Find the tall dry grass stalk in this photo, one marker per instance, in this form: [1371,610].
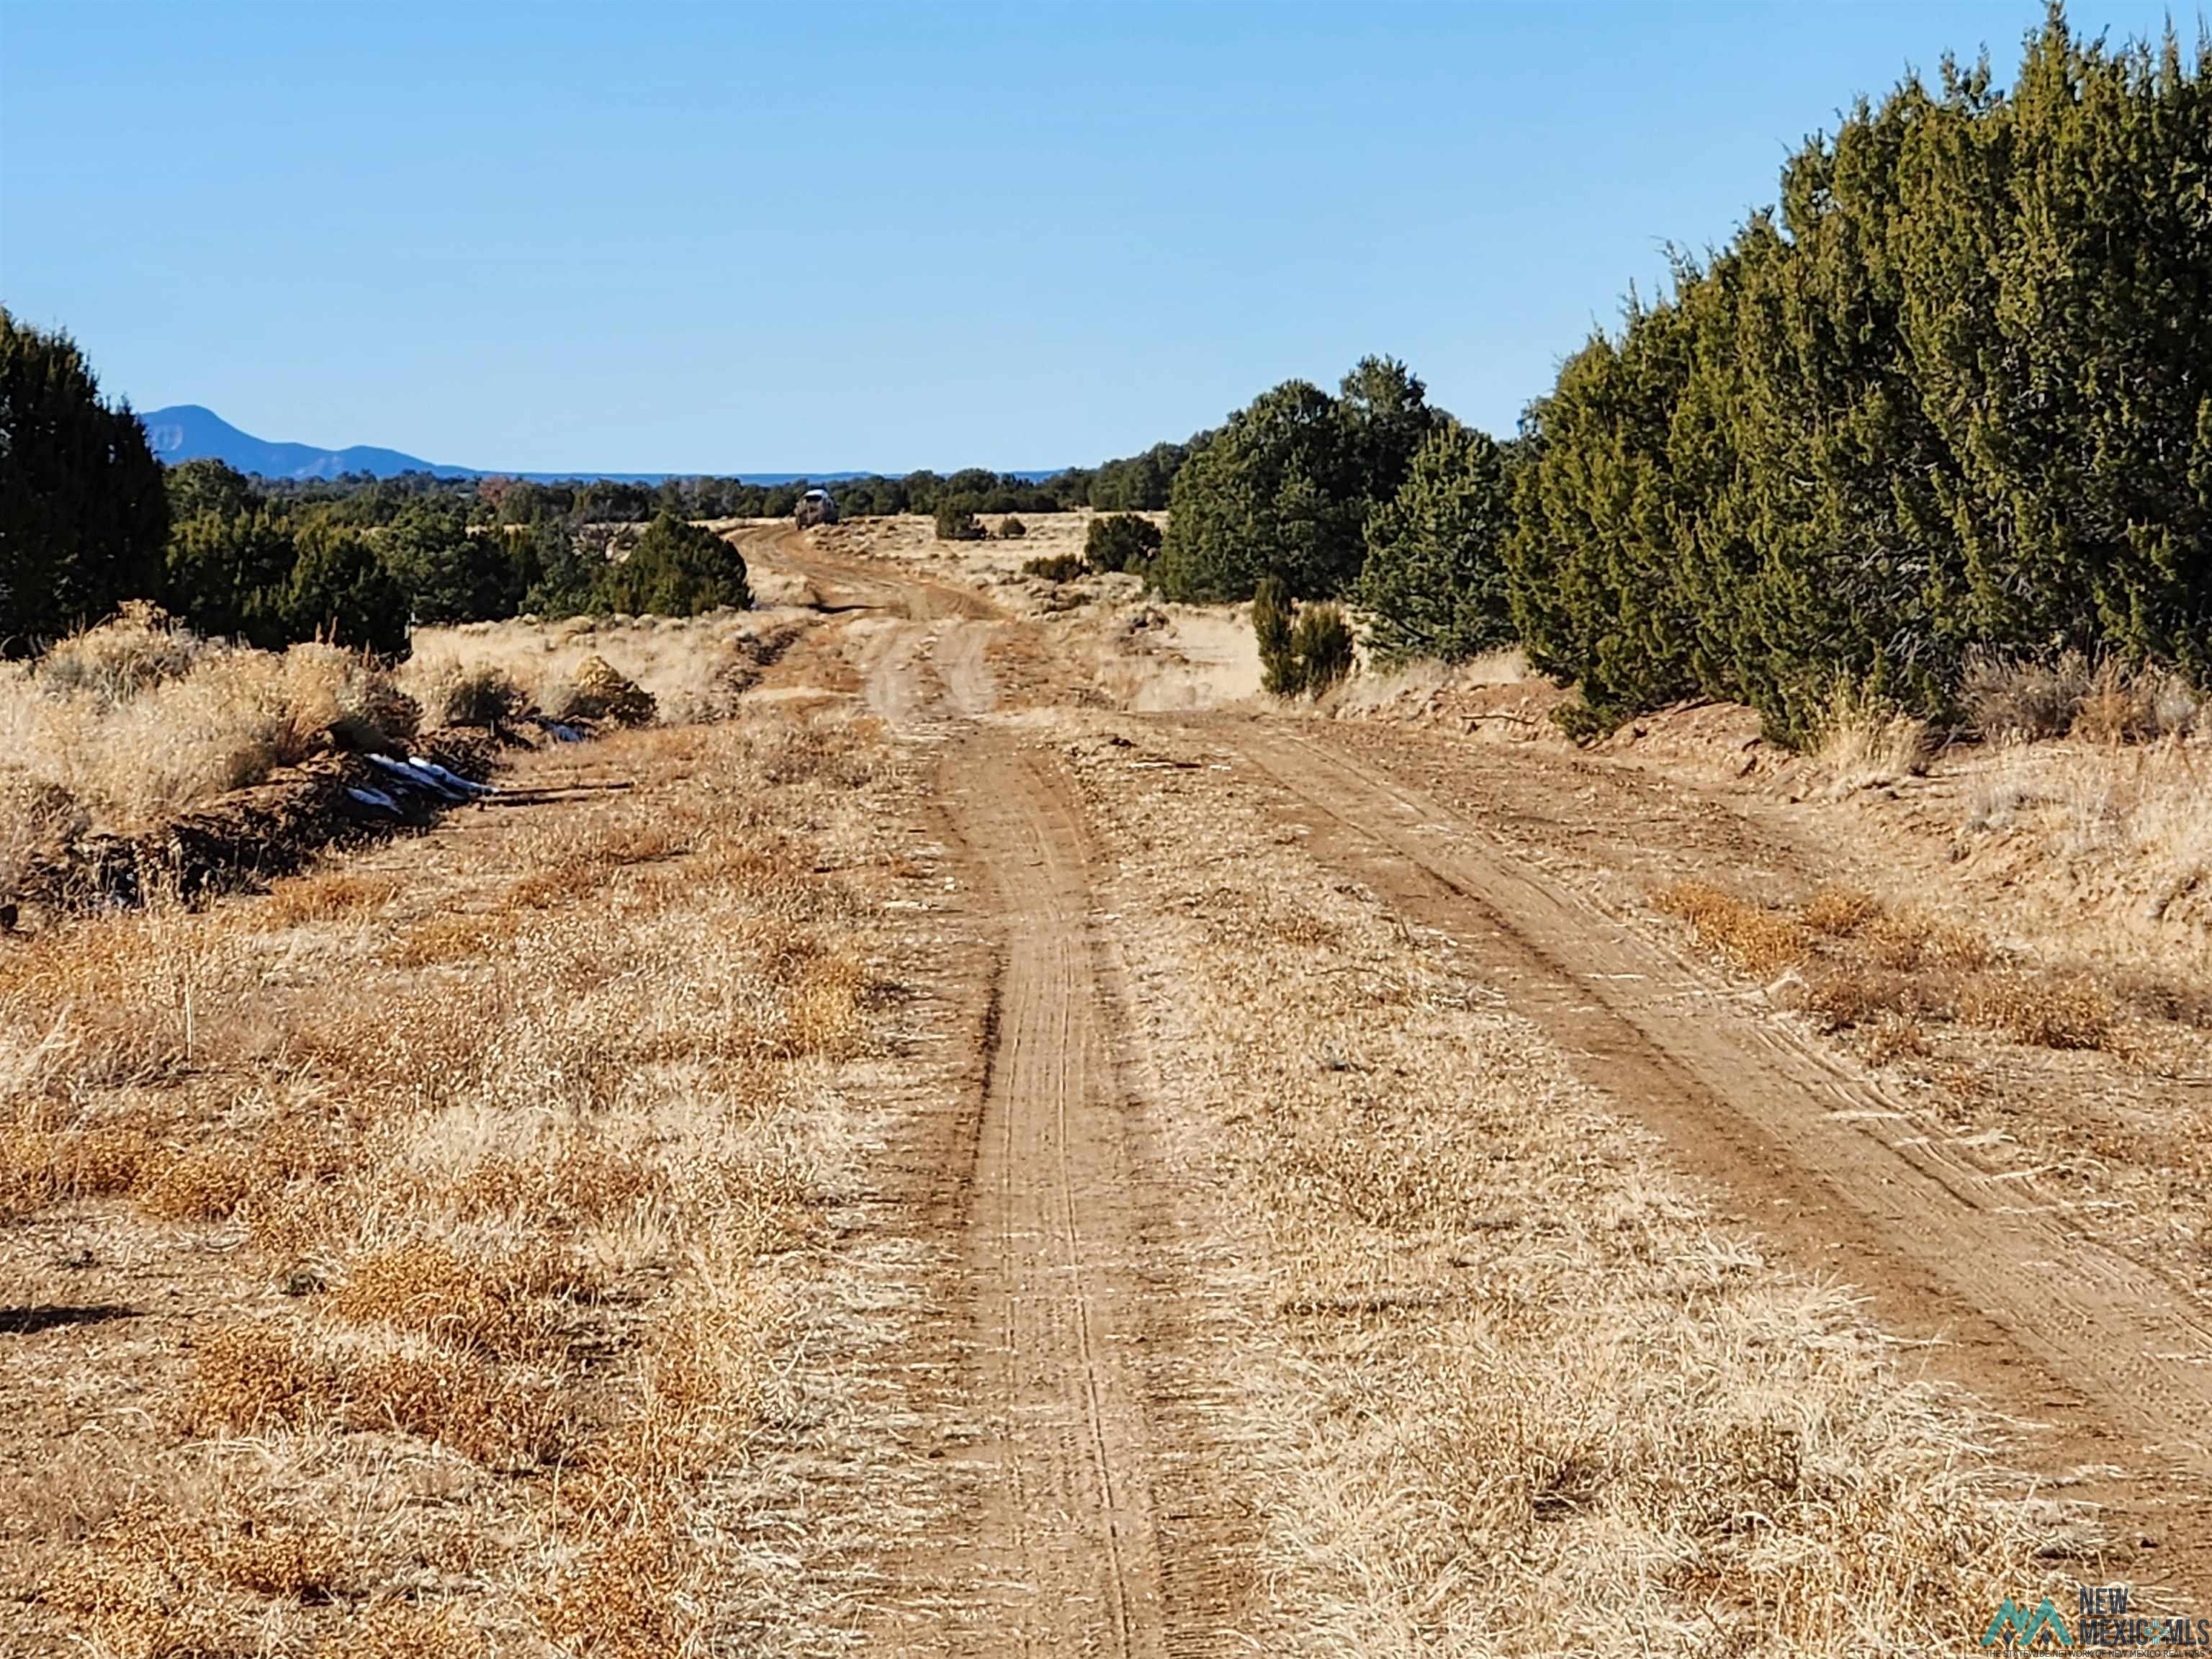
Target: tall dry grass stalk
[1864,741]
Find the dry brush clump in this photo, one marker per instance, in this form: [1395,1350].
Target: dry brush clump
[1518,1393]
[677,670]
[1857,964]
[1759,940]
[126,725]
[1863,740]
[499,1258]
[2026,698]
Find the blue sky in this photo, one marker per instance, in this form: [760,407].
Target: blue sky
[688,237]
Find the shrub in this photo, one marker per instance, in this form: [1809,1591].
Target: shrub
[1122,541]
[349,696]
[1280,672]
[1058,567]
[477,693]
[1306,651]
[599,690]
[2107,702]
[135,650]
[2014,698]
[1322,641]
[1862,738]
[676,569]
[1011,529]
[956,521]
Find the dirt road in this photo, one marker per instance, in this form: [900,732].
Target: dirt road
[2018,1302]
[1067,1298]
[1087,1524]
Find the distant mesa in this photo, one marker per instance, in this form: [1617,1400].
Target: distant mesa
[187,432]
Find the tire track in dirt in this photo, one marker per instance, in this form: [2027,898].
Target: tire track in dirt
[1090,1523]
[2038,1319]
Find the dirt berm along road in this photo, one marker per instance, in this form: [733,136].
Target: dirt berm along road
[1093,1527]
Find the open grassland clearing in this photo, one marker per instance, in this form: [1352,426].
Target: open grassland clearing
[441,1255]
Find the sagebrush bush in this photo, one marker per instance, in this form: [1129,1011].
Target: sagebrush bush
[1011,529]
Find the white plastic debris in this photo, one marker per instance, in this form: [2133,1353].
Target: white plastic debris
[446,779]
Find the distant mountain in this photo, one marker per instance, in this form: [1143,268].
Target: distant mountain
[186,432]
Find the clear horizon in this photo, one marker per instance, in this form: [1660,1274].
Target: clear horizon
[1011,236]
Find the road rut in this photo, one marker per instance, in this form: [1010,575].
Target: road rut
[1089,1523]
[2031,1312]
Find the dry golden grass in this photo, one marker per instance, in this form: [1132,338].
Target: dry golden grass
[1863,741]
[123,726]
[2109,845]
[1870,965]
[1519,1393]
[2042,1011]
[687,669]
[497,1208]
[1894,970]
[329,895]
[1759,940]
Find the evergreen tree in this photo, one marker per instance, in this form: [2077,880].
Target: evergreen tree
[228,575]
[1387,416]
[454,573]
[1951,394]
[1435,574]
[1278,491]
[83,514]
[341,592]
[677,570]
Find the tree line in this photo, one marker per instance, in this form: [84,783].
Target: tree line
[88,518]
[1952,395]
